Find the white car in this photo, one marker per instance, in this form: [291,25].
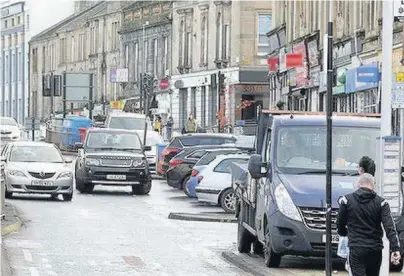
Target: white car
[153,138]
[214,182]
[10,130]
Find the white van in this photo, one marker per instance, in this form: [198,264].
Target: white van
[128,121]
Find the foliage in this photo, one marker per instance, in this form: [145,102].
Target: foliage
[244,104]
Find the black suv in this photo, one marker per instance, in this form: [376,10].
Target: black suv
[112,157]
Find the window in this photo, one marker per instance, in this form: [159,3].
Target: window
[62,50]
[204,41]
[38,153]
[181,44]
[226,46]
[145,49]
[35,60]
[218,36]
[193,101]
[7,70]
[43,58]
[225,165]
[372,14]
[175,144]
[136,49]
[92,40]
[203,106]
[12,22]
[188,55]
[27,23]
[20,66]
[197,154]
[15,40]
[19,20]
[82,47]
[264,26]
[73,50]
[126,58]
[13,65]
[114,36]
[155,54]
[165,56]
[5,24]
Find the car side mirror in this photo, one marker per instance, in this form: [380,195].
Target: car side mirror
[78,145]
[256,168]
[147,148]
[68,161]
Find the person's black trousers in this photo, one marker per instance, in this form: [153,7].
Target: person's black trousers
[365,261]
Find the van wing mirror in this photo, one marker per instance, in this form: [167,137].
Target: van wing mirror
[256,167]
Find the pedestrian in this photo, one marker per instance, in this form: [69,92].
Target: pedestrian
[191,125]
[169,127]
[157,124]
[360,218]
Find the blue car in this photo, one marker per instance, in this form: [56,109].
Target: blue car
[193,181]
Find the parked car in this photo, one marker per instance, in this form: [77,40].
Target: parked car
[10,130]
[181,165]
[112,157]
[179,143]
[36,168]
[153,138]
[214,182]
[201,165]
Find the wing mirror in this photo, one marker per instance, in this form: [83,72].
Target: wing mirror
[68,161]
[147,148]
[256,167]
[78,145]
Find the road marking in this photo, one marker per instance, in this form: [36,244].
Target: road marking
[134,261]
[27,255]
[33,271]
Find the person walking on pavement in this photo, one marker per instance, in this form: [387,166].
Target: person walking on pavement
[191,125]
[360,217]
[169,127]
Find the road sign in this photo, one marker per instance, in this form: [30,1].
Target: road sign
[164,84]
[397,95]
[32,124]
[77,86]
[398,10]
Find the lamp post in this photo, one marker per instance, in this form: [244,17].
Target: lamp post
[144,64]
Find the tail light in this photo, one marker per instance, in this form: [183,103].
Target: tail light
[200,178]
[174,162]
[194,173]
[167,151]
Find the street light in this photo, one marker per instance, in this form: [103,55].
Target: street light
[144,63]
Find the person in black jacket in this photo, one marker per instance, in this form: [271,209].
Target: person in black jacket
[367,165]
[360,217]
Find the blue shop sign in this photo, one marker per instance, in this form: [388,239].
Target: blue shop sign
[362,78]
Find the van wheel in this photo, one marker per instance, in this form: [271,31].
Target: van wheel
[244,238]
[397,268]
[272,259]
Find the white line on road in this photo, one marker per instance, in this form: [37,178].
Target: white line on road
[33,271]
[27,255]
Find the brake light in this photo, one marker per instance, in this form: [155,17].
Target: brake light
[200,178]
[194,173]
[174,162]
[167,151]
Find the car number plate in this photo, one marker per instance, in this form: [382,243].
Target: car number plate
[334,238]
[116,177]
[42,183]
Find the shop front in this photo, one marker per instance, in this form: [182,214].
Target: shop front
[362,83]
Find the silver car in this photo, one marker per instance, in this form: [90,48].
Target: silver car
[36,168]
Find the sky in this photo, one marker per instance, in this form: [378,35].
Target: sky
[45,13]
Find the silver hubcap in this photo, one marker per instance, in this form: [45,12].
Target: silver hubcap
[230,201]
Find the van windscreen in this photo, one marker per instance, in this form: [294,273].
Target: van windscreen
[128,123]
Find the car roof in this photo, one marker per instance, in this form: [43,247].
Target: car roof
[127,115]
[241,155]
[219,135]
[112,130]
[320,120]
[32,144]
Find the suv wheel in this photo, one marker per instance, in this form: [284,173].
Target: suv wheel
[142,189]
[228,201]
[272,259]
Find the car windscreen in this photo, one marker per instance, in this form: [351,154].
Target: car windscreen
[128,123]
[113,140]
[190,141]
[40,154]
[7,122]
[302,149]
[225,165]
[210,156]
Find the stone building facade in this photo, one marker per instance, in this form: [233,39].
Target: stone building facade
[300,26]
[146,37]
[213,36]
[86,41]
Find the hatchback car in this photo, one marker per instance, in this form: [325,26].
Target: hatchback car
[36,168]
[214,182]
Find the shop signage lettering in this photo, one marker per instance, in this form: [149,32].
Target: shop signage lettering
[251,88]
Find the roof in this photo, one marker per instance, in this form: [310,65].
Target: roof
[320,120]
[49,31]
[128,115]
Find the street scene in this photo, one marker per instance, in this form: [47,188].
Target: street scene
[202,138]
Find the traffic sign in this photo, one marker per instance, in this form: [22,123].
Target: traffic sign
[164,84]
[397,95]
[32,124]
[398,10]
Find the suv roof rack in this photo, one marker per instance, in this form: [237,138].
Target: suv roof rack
[293,112]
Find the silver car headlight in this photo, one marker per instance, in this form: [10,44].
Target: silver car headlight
[139,163]
[92,162]
[65,175]
[285,203]
[16,173]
